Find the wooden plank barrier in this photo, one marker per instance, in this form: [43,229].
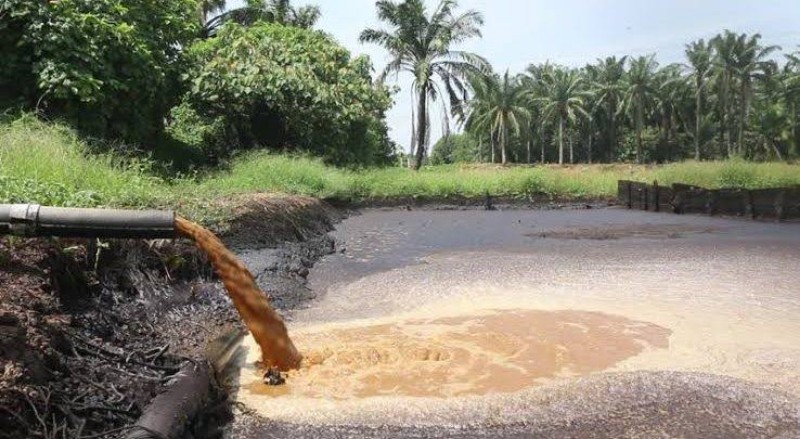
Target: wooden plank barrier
[775,203]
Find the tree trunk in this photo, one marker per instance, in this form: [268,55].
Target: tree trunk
[480,151]
[795,131]
[698,119]
[590,147]
[529,149]
[544,142]
[612,131]
[422,126]
[503,136]
[493,146]
[561,140]
[571,150]
[724,119]
[639,143]
[743,113]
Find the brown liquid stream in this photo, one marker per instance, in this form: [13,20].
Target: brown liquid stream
[267,327]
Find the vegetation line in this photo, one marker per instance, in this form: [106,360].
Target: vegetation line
[48,164]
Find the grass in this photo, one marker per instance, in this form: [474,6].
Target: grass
[48,164]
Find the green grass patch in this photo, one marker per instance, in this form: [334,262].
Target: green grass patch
[48,164]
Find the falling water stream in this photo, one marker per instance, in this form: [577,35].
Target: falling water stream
[265,325]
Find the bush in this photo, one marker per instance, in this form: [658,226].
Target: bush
[284,88]
[111,68]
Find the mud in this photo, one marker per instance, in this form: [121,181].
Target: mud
[478,353]
[90,334]
[724,292]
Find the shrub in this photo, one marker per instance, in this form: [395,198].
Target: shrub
[285,88]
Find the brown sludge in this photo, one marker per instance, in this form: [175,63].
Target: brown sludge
[266,326]
[483,353]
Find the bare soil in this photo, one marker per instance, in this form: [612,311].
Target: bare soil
[90,333]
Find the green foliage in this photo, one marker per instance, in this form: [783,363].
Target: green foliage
[455,148]
[285,88]
[48,164]
[629,145]
[108,66]
[421,43]
[498,106]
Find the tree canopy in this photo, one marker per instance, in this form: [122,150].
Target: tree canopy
[733,97]
[289,89]
[110,67]
[421,43]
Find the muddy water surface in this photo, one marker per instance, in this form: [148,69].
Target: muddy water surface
[597,323]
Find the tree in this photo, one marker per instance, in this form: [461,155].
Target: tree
[287,88]
[112,69]
[563,101]
[639,95]
[790,81]
[420,43]
[207,7]
[272,11]
[608,87]
[497,107]
[699,55]
[751,65]
[456,148]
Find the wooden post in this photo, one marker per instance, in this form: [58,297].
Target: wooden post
[780,206]
[711,202]
[750,205]
[656,193]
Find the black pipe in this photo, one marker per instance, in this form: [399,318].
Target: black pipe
[5,219]
[35,220]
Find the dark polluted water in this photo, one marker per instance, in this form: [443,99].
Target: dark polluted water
[575,323]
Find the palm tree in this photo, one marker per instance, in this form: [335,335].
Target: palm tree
[286,14]
[699,54]
[751,64]
[207,7]
[639,95]
[791,95]
[563,100]
[497,106]
[672,96]
[272,11]
[608,86]
[420,43]
[533,82]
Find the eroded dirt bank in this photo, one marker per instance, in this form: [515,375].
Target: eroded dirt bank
[89,333]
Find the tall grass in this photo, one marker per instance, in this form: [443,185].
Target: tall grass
[48,164]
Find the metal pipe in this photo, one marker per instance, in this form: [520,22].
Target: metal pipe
[35,220]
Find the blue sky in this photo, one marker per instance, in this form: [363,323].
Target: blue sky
[572,32]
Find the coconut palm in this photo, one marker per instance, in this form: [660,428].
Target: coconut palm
[699,55]
[421,43]
[751,64]
[285,13]
[640,95]
[673,97]
[790,81]
[272,11]
[563,100]
[208,7]
[608,86]
[533,82]
[497,106]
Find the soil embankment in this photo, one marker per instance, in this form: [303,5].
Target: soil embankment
[90,333]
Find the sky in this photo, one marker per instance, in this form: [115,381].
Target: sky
[517,33]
